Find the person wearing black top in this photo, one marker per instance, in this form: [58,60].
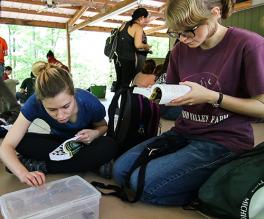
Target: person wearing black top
[27,88]
[129,41]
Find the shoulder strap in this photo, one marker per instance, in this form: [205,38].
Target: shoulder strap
[120,132]
[125,114]
[158,148]
[149,153]
[112,110]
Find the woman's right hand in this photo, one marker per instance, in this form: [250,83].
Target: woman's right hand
[148,47]
[35,178]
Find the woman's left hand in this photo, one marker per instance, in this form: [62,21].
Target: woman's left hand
[198,94]
[87,135]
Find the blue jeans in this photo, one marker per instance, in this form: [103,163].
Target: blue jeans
[174,179]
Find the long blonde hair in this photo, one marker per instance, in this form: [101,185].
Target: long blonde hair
[51,80]
[182,14]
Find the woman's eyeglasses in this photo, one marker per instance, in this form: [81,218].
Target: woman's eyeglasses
[187,33]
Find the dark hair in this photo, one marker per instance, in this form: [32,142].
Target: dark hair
[149,66]
[8,68]
[158,70]
[139,12]
[50,54]
[32,75]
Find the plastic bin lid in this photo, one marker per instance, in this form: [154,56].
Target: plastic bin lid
[54,195]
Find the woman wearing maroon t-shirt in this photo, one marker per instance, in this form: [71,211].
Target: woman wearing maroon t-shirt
[224,68]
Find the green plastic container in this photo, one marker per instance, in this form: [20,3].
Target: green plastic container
[98,90]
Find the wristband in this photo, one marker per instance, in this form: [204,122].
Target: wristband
[219,101]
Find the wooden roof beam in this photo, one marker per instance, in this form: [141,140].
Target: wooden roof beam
[242,5]
[77,15]
[155,29]
[15,21]
[48,24]
[33,12]
[108,13]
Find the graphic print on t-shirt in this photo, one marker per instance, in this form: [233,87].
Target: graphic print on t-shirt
[205,113]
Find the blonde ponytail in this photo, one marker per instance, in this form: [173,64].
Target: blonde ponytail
[51,80]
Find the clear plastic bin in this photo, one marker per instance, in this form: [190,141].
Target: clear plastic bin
[71,198]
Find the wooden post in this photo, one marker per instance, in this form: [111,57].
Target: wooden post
[68,35]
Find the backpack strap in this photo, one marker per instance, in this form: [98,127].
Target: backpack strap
[125,114]
[158,148]
[119,133]
[112,111]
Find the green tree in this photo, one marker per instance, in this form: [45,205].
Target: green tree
[89,64]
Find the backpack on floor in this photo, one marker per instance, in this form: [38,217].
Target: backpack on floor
[236,190]
[132,119]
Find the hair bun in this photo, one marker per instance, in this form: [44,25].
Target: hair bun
[139,13]
[39,67]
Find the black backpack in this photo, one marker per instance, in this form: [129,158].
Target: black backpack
[236,190]
[111,44]
[134,121]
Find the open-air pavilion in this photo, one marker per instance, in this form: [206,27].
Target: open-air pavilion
[102,16]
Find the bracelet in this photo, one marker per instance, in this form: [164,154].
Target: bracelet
[219,101]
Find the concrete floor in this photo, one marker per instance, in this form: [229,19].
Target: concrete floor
[110,207]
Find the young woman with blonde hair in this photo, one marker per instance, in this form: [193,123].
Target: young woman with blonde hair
[69,112]
[224,68]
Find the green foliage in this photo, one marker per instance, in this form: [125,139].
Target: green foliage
[160,47]
[89,64]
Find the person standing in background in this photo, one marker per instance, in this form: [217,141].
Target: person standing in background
[52,60]
[142,54]
[129,41]
[14,108]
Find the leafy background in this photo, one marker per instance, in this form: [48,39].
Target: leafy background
[89,64]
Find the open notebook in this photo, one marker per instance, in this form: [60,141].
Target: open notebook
[66,150]
[163,93]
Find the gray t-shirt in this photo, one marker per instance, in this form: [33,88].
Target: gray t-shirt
[234,67]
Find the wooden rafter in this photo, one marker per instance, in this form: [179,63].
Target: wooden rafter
[77,15]
[104,16]
[48,24]
[26,11]
[155,29]
[243,5]
[103,8]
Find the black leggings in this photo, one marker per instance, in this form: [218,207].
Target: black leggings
[38,146]
[125,72]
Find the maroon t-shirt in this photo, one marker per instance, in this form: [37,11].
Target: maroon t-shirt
[234,67]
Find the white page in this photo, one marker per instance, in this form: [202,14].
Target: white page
[61,153]
[170,92]
[143,91]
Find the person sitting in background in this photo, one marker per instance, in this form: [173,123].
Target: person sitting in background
[11,114]
[69,112]
[26,89]
[158,71]
[146,78]
[7,72]
[166,112]
[52,60]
